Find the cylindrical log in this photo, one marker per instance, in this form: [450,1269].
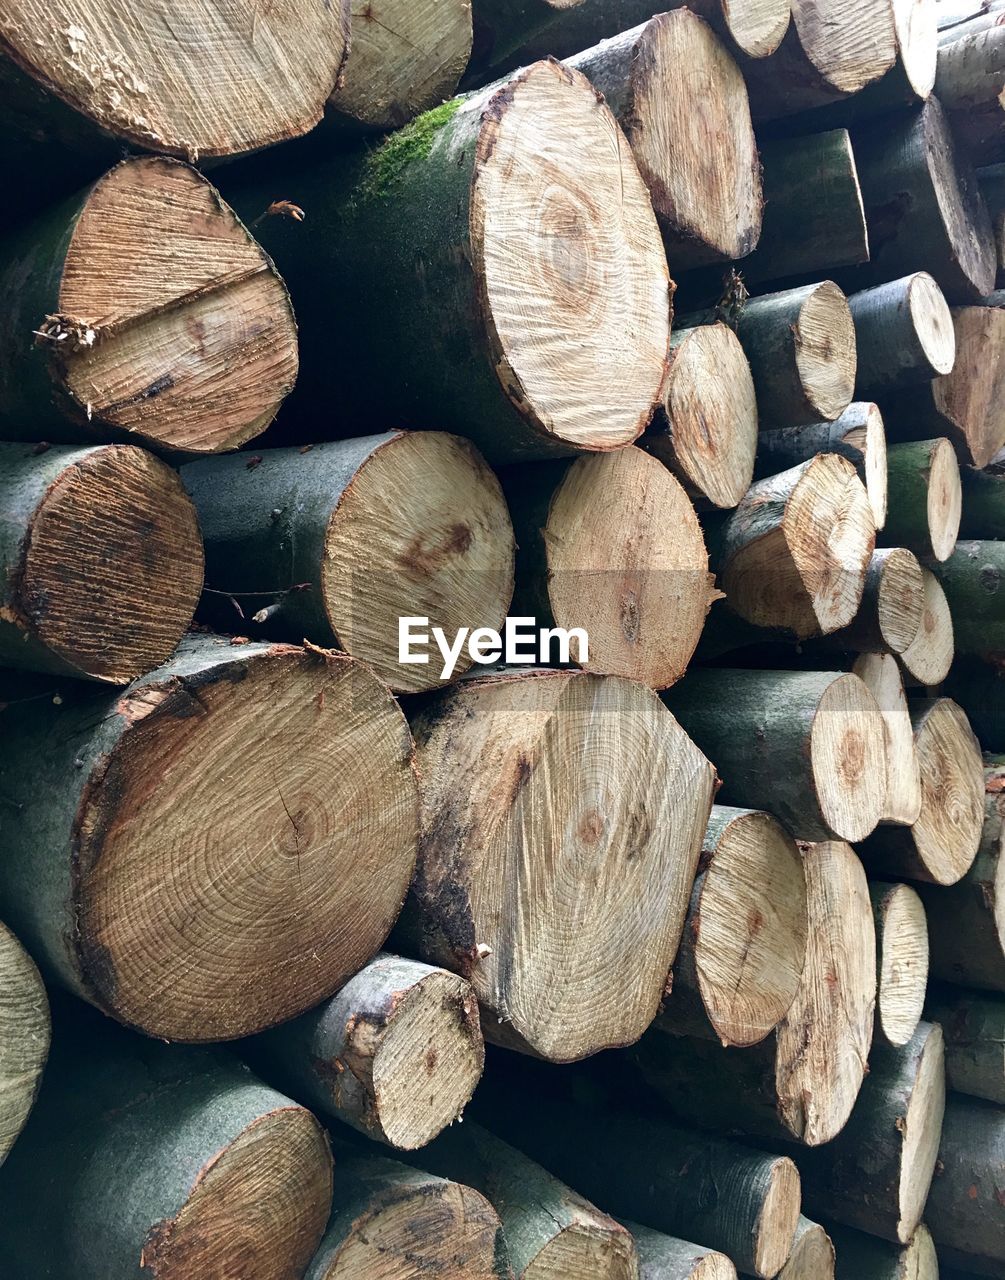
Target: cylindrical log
[338,542]
[929,656]
[396,1054]
[925,498]
[705,428]
[812,1256]
[597,772]
[503,28]
[864,1257]
[974,1027]
[983,513]
[858,435]
[881,676]
[744,943]
[901,961]
[979,688]
[529,314]
[973,579]
[941,846]
[893,604]
[24,1037]
[611,544]
[954,14]
[663,1257]
[992,180]
[964,1212]
[923,205]
[701,168]
[122,520]
[217,848]
[142,309]
[904,334]
[807,746]
[802,1084]
[970,82]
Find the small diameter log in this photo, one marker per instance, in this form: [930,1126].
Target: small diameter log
[542,304]
[925,498]
[701,169]
[808,746]
[964,1212]
[892,610]
[942,844]
[983,514]
[858,435]
[143,309]
[666,1258]
[705,428]
[217,848]
[398,1223]
[973,579]
[881,676]
[744,942]
[970,82]
[974,1027]
[979,688]
[901,961]
[923,205]
[802,1083]
[406,57]
[591,769]
[865,1257]
[904,334]
[337,542]
[24,1037]
[611,544]
[812,1256]
[929,656]
[100,561]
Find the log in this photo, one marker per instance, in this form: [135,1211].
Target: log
[391,1221]
[122,520]
[972,579]
[744,942]
[405,58]
[974,1027]
[865,1257]
[396,1054]
[807,746]
[858,435]
[881,676]
[812,1256]
[892,610]
[992,182]
[925,497]
[248,812]
[503,758]
[923,205]
[983,513]
[802,1083]
[705,428]
[901,961]
[663,1257]
[979,688]
[701,170]
[953,14]
[904,334]
[24,1037]
[929,656]
[970,83]
[338,542]
[531,316]
[209,84]
[611,544]
[964,1210]
[503,27]
[942,844]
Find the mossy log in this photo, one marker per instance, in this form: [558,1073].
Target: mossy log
[973,579]
[964,1212]
[969,82]
[249,812]
[904,334]
[979,688]
[24,1037]
[663,1257]
[901,961]
[598,778]
[812,1256]
[892,610]
[864,1257]
[974,1027]
[610,543]
[100,561]
[337,542]
[531,315]
[141,309]
[881,676]
[929,657]
[925,498]
[744,943]
[983,514]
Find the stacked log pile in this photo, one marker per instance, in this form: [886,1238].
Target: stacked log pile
[675,342]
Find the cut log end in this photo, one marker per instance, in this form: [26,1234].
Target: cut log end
[24,1037]
[550,270]
[945,500]
[902,931]
[922,1129]
[900,598]
[930,314]
[948,832]
[757,26]
[929,656]
[959,202]
[848,44]
[881,675]
[779,1218]
[812,1256]
[847,755]
[916,25]
[583,1252]
[825,351]
[869,438]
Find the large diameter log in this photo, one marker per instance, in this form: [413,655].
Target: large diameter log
[974,1027]
[881,676]
[217,848]
[611,544]
[865,1257]
[973,579]
[904,334]
[970,83]
[598,779]
[744,943]
[923,204]
[531,315]
[983,514]
[812,1256]
[941,846]
[803,1083]
[100,561]
[24,1037]
[925,498]
[208,83]
[705,427]
[964,1212]
[929,656]
[901,961]
[807,746]
[339,542]
[663,1257]
[979,688]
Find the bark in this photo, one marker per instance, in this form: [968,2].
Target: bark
[248,812]
[503,27]
[904,334]
[446,256]
[979,688]
[881,676]
[983,514]
[340,541]
[964,1211]
[540,760]
[611,544]
[969,82]
[974,1026]
[892,610]
[24,1042]
[744,942]
[901,961]
[663,1257]
[141,309]
[924,498]
[100,561]
[865,1257]
[929,656]
[972,579]
[992,181]
[807,746]
[812,1256]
